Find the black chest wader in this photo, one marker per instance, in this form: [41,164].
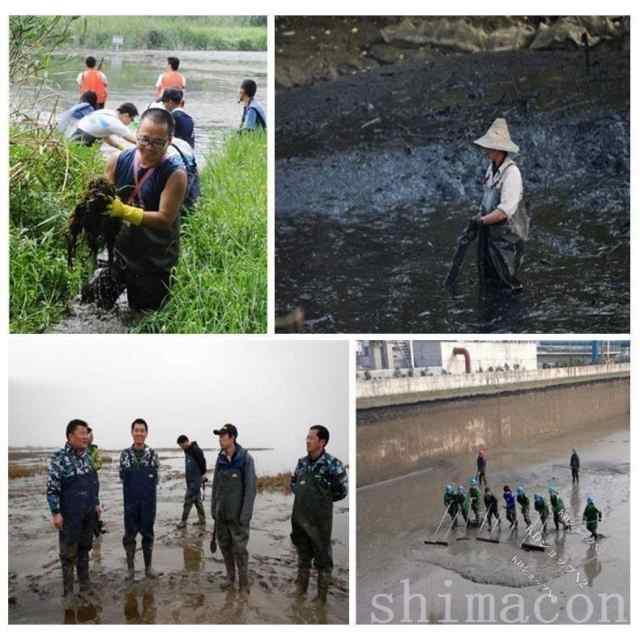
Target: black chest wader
[78,503]
[193,495]
[500,248]
[232,536]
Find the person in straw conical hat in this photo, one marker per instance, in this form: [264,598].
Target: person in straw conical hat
[503,223]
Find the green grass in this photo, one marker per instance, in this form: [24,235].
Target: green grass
[47,177]
[214,33]
[220,282]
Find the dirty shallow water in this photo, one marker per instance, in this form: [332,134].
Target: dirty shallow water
[188,591]
[211,97]
[395,517]
[368,215]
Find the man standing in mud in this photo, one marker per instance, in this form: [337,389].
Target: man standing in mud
[232,500]
[195,469]
[541,507]
[474,496]
[574,463]
[591,516]
[481,465]
[491,506]
[318,481]
[139,466]
[152,186]
[73,497]
[557,507]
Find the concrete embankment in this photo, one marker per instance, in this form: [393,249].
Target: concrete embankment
[406,424]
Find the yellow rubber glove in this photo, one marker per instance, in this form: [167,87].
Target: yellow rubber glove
[118,209]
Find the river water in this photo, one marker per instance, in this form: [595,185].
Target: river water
[213,80]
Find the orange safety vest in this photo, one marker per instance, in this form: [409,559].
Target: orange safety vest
[91,81]
[171,80]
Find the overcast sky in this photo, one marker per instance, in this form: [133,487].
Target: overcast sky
[272,390]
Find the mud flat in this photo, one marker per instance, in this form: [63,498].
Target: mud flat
[188,591]
[569,582]
[376,176]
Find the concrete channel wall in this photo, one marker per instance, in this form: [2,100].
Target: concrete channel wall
[380,392]
[396,439]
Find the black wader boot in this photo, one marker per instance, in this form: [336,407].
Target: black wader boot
[68,560]
[324,580]
[202,520]
[242,562]
[230,565]
[186,509]
[130,550]
[302,581]
[147,553]
[83,569]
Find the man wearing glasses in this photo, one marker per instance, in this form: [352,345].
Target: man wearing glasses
[151,185]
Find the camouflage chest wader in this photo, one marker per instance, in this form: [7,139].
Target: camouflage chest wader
[232,536]
[79,499]
[474,494]
[139,489]
[311,526]
[501,245]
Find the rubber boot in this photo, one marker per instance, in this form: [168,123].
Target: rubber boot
[147,553]
[82,568]
[131,556]
[324,580]
[186,509]
[202,520]
[230,565]
[242,562]
[68,563]
[302,581]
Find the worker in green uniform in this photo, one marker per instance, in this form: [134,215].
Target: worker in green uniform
[463,503]
[557,507]
[542,509]
[318,481]
[524,502]
[591,516]
[474,496]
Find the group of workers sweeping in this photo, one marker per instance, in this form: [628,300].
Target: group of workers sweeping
[467,505]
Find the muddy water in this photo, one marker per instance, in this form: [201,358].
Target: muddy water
[377,176]
[396,516]
[188,591]
[213,79]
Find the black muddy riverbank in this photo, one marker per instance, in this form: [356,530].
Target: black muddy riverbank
[376,177]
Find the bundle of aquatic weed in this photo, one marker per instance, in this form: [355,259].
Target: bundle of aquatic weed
[220,282]
[46,177]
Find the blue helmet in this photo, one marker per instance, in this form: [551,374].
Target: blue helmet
[589,500]
[520,491]
[460,489]
[448,488]
[552,490]
[473,482]
[538,497]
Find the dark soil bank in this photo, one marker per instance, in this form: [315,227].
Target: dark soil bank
[376,176]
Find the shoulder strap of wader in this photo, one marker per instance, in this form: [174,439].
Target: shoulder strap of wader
[138,183]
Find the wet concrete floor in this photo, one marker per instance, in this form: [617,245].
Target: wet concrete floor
[570,576]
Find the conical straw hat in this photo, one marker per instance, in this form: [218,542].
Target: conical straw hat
[497,137]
